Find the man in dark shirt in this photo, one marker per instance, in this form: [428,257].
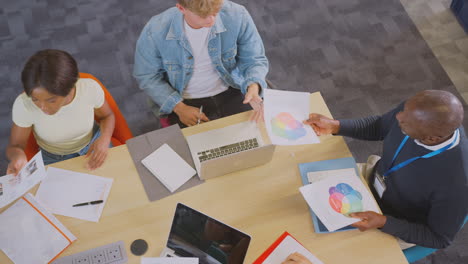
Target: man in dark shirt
[420,182]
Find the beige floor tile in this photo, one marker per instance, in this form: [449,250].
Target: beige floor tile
[444,35]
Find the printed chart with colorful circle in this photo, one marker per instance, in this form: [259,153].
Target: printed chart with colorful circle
[286,126]
[344,199]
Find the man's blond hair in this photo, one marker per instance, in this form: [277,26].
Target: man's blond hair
[202,8]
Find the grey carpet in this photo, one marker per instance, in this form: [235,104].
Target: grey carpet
[364,56]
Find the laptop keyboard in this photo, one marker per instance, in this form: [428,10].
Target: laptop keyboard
[228,149]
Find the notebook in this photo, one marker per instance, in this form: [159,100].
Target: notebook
[284,246]
[30,234]
[168,167]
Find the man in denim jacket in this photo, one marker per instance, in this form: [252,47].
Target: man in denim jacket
[196,61]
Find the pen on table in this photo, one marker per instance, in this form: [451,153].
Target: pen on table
[199,115]
[89,203]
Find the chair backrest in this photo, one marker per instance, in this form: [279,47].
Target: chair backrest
[121,131]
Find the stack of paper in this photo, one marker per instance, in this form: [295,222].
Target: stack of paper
[168,167]
[61,189]
[333,198]
[30,234]
[12,187]
[284,246]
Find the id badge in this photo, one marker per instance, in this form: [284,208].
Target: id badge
[379,184]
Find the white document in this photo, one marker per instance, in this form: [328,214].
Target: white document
[315,176]
[287,247]
[12,187]
[61,189]
[333,198]
[30,234]
[169,260]
[284,113]
[168,167]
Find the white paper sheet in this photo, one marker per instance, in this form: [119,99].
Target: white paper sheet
[332,198]
[30,234]
[284,113]
[61,189]
[315,176]
[287,247]
[12,187]
[169,260]
[168,167]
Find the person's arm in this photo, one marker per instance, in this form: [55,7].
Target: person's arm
[444,220]
[97,152]
[367,128]
[252,62]
[15,150]
[149,73]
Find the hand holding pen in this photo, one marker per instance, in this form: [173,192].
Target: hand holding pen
[200,114]
[190,115]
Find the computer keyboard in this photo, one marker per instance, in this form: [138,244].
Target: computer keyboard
[228,149]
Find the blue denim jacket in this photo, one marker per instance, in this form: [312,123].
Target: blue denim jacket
[164,62]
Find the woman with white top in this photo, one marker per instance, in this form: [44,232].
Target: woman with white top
[60,109]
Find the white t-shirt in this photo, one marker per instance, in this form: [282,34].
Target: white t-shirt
[71,128]
[205,80]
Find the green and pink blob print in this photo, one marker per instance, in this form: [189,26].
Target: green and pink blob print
[284,125]
[344,199]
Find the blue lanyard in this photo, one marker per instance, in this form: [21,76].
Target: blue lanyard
[428,155]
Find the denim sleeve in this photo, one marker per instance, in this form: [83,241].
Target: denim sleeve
[149,73]
[252,62]
[369,128]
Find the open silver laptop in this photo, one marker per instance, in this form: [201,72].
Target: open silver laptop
[194,234]
[232,148]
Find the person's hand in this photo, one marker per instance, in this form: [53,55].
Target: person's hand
[17,163]
[97,153]
[369,220]
[253,98]
[323,125]
[296,258]
[189,115]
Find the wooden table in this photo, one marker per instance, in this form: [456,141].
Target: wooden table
[263,202]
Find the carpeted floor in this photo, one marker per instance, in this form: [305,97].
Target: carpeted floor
[364,56]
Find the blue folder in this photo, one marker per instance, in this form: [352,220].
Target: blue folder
[334,164]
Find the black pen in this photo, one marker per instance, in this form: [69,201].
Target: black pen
[89,203]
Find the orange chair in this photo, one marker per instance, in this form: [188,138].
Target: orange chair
[121,131]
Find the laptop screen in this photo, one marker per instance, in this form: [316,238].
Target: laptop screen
[194,234]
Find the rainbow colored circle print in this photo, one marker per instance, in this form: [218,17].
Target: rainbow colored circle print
[284,125]
[344,199]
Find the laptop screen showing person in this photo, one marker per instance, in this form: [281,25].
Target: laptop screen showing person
[194,234]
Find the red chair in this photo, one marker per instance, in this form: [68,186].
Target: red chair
[121,130]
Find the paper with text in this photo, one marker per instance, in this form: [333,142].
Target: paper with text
[61,189]
[12,187]
[284,113]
